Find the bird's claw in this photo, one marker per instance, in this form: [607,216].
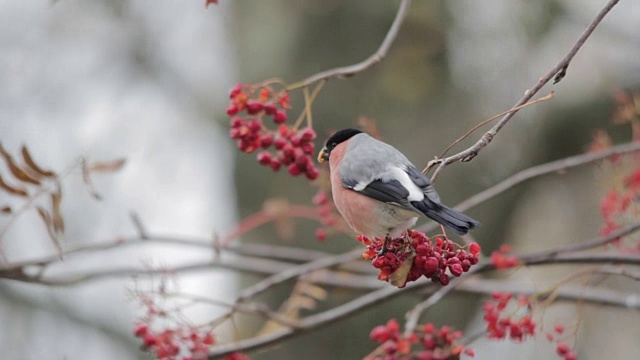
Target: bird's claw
[384,248]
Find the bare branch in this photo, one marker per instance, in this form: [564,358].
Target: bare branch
[558,70]
[376,57]
[557,166]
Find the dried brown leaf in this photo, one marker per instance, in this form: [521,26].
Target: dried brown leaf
[399,277]
[26,156]
[18,172]
[86,178]
[12,189]
[48,222]
[6,210]
[304,302]
[313,291]
[107,166]
[57,219]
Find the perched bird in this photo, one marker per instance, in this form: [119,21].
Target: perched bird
[379,192]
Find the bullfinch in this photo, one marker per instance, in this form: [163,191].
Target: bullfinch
[379,192]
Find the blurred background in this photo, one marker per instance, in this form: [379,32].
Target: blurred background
[149,81]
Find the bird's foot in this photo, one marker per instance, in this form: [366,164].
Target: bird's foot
[384,248]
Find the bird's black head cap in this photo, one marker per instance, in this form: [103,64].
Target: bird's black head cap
[335,139]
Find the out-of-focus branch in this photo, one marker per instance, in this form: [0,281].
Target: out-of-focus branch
[556,72]
[587,295]
[556,166]
[545,169]
[376,57]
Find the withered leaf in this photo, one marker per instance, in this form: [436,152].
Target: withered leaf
[57,219]
[304,302]
[6,210]
[107,166]
[26,156]
[15,169]
[48,222]
[86,178]
[312,291]
[12,189]
[399,277]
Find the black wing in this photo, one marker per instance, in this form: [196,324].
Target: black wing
[424,183]
[390,192]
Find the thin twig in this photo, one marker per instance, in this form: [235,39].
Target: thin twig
[537,171]
[481,124]
[376,57]
[471,152]
[476,286]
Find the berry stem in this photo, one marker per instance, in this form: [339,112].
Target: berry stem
[308,100]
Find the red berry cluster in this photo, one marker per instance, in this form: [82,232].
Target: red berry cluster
[426,343]
[431,259]
[169,344]
[502,324]
[182,342]
[562,349]
[293,149]
[620,204]
[327,212]
[502,260]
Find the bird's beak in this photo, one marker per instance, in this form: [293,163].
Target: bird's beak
[323,155]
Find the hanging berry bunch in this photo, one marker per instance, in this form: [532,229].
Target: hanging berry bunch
[419,256]
[252,108]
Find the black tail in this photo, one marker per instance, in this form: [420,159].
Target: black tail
[454,220]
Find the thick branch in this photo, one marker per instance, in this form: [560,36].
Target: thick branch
[559,70]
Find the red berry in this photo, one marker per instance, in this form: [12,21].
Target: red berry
[466,265]
[429,328]
[208,339]
[266,140]
[321,234]
[254,125]
[232,110]
[295,140]
[444,279]
[269,109]
[235,133]
[236,122]
[559,329]
[280,143]
[254,107]
[274,165]
[280,117]
[456,269]
[320,198]
[148,340]
[470,352]
[312,173]
[308,148]
[235,90]
[571,356]
[294,170]
[284,131]
[379,334]
[431,265]
[474,248]
[140,330]
[562,349]
[307,135]
[379,262]
[264,158]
